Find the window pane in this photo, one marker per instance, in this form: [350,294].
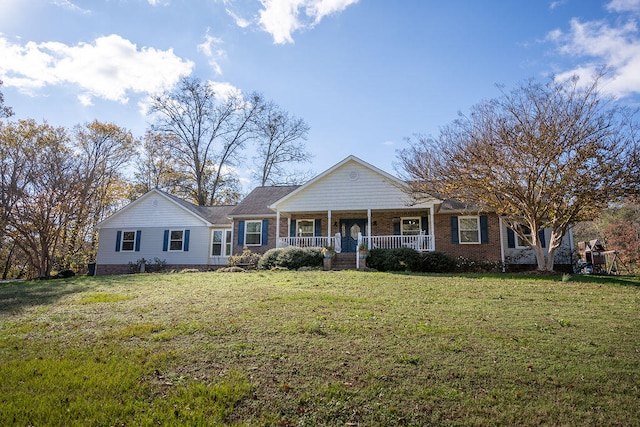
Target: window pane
[469,236]
[127,246]
[176,245]
[129,235]
[176,235]
[410,226]
[468,224]
[254,226]
[217,236]
[227,251]
[253,239]
[305,228]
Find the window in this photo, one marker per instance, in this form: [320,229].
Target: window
[128,242]
[469,229]
[176,240]
[520,242]
[410,226]
[253,233]
[304,228]
[221,243]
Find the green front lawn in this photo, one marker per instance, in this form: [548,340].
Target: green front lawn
[320,348]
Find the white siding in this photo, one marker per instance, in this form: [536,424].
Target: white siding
[350,187]
[153,210]
[151,243]
[527,256]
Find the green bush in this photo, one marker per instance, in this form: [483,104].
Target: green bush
[269,259]
[291,258]
[402,259]
[407,259]
[436,262]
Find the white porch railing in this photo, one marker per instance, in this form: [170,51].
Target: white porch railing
[421,242]
[304,242]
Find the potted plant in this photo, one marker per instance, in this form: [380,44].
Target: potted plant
[363,251]
[328,252]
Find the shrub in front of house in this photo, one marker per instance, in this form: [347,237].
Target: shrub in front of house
[468,265]
[269,259]
[407,259]
[291,258]
[401,259]
[436,262]
[248,260]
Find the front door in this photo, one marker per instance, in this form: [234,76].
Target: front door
[349,228]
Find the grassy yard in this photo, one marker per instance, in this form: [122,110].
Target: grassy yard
[320,348]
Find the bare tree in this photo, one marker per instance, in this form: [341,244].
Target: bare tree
[42,199]
[156,169]
[280,143]
[4,110]
[542,155]
[103,151]
[208,131]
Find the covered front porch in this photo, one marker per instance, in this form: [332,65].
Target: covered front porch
[346,231]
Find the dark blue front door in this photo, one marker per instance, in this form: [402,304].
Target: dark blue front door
[350,229]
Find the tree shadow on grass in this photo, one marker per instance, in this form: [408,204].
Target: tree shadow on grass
[16,296]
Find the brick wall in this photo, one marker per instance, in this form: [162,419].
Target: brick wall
[488,251]
[111,269]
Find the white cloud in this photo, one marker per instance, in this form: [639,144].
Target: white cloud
[624,6]
[66,4]
[598,44]
[224,90]
[111,68]
[209,47]
[281,18]
[240,22]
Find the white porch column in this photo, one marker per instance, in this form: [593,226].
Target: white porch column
[277,228]
[369,228]
[329,227]
[432,227]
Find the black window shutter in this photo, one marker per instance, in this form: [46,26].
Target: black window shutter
[265,232]
[165,241]
[454,230]
[241,233]
[541,237]
[425,224]
[511,238]
[118,240]
[292,228]
[138,237]
[396,228]
[317,228]
[185,245]
[484,229]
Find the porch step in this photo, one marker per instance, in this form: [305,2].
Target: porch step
[344,261]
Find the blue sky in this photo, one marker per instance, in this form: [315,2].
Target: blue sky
[364,74]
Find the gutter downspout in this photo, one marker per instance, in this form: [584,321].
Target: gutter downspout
[504,267]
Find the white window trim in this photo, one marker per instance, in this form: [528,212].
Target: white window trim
[411,217]
[517,237]
[181,240]
[224,242]
[135,236]
[246,228]
[313,226]
[460,230]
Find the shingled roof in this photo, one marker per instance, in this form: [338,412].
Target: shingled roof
[216,215]
[258,201]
